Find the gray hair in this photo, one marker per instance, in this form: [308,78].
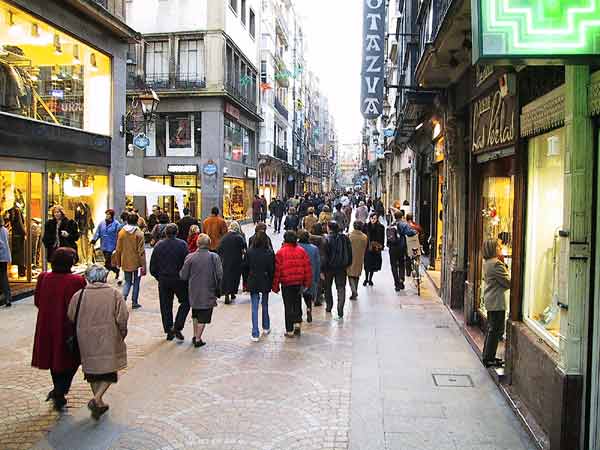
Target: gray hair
[203,241]
[235,226]
[96,274]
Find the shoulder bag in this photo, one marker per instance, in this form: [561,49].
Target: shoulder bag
[71,341]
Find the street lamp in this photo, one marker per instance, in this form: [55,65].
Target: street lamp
[149,101]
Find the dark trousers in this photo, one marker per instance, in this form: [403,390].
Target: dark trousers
[4,286]
[108,263]
[167,289]
[278,220]
[292,304]
[495,330]
[340,286]
[353,282]
[62,381]
[397,262]
[308,300]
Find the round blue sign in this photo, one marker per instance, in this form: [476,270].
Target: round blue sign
[389,132]
[210,169]
[141,141]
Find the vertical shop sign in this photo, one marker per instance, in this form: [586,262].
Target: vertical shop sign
[373,60]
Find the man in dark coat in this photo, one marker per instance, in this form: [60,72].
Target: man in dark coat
[339,257]
[185,223]
[232,250]
[166,262]
[278,210]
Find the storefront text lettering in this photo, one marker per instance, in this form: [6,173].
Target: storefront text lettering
[493,122]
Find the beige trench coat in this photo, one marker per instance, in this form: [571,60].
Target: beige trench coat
[359,242]
[101,328]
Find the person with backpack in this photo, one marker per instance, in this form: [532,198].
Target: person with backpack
[396,241]
[292,221]
[158,232]
[339,257]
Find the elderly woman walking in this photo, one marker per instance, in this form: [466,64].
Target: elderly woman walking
[100,316]
[497,282]
[204,273]
[232,250]
[53,293]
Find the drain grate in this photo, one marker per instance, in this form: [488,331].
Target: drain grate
[452,380]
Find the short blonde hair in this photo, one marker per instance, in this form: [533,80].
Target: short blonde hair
[194,229]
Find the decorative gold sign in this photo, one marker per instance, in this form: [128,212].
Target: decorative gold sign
[494,121]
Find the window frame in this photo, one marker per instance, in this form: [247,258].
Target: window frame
[243,14]
[252,23]
[200,69]
[233,4]
[147,51]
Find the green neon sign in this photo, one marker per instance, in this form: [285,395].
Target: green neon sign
[509,30]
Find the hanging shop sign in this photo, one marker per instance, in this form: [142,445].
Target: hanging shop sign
[561,31]
[389,132]
[210,168]
[182,168]
[494,120]
[373,59]
[250,173]
[141,141]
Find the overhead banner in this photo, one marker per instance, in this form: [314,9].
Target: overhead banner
[373,58]
[535,32]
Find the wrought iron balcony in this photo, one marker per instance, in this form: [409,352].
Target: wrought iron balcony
[281,109]
[247,98]
[189,81]
[281,153]
[158,81]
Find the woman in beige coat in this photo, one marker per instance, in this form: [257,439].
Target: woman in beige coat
[359,242]
[101,330]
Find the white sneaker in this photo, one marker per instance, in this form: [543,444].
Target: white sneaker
[267,332]
[254,339]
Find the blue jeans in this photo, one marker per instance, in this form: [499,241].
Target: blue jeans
[266,322]
[132,278]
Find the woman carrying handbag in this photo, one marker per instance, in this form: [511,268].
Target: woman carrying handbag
[376,235]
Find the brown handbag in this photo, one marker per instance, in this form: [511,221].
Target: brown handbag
[375,246]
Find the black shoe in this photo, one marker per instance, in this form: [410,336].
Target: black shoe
[8,304]
[370,282]
[136,306]
[120,283]
[496,362]
[170,336]
[197,343]
[308,315]
[178,335]
[365,282]
[397,288]
[50,395]
[353,297]
[328,310]
[401,286]
[227,300]
[59,402]
[297,331]
[232,296]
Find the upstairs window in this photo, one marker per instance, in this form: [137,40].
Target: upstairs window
[191,56]
[252,23]
[233,4]
[157,61]
[243,12]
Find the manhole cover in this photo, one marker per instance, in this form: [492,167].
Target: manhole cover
[451,380]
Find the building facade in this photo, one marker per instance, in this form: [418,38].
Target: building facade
[203,62]
[508,153]
[62,97]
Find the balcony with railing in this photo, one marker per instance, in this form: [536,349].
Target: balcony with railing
[245,95]
[281,109]
[164,81]
[189,81]
[281,153]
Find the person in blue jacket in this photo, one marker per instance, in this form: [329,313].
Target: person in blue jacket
[310,295]
[108,231]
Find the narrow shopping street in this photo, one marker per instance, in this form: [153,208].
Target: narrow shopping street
[395,374]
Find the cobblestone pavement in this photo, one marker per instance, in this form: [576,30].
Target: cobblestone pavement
[324,390]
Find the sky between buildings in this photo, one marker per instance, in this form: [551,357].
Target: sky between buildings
[333,29]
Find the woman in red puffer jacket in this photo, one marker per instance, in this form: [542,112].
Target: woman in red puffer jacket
[293,272]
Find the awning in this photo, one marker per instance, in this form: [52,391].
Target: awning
[141,187]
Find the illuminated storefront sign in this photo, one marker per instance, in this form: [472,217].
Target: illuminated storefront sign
[373,63]
[182,168]
[542,30]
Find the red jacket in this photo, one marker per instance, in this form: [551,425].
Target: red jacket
[292,267]
[53,293]
[192,242]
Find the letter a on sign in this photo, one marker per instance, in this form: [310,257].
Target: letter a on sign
[372,59]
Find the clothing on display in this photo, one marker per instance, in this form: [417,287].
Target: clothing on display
[85,223]
[17,232]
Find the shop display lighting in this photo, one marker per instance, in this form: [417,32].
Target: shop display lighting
[76,191]
[93,65]
[76,60]
[57,45]
[35,31]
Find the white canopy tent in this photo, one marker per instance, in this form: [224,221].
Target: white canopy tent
[141,187]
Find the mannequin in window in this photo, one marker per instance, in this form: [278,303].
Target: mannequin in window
[85,224]
[14,218]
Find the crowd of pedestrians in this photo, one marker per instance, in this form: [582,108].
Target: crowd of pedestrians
[83,320]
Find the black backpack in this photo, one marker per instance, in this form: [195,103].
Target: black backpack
[340,252]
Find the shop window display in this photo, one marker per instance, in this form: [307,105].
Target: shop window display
[239,142]
[544,220]
[48,75]
[192,198]
[21,207]
[237,198]
[83,193]
[497,214]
